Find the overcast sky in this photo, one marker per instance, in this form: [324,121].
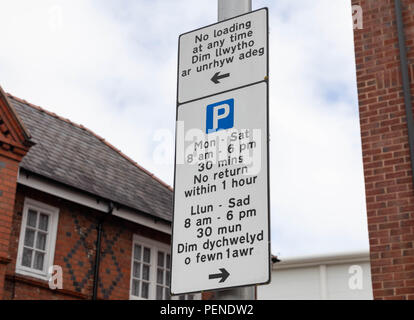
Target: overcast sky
[111,66]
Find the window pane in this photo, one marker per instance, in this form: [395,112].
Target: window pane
[159,292]
[167,278]
[27,257]
[144,293]
[145,272]
[135,288]
[32,218]
[160,259]
[41,241]
[160,276]
[190,297]
[137,252]
[147,255]
[182,297]
[137,270]
[168,264]
[43,221]
[29,238]
[167,294]
[38,261]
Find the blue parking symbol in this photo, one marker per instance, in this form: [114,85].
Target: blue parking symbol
[220,116]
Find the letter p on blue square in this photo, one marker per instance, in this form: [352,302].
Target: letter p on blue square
[220,116]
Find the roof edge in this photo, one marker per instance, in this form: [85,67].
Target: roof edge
[70,193]
[164,184]
[26,134]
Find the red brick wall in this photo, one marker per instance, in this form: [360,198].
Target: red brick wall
[8,178]
[75,252]
[387,164]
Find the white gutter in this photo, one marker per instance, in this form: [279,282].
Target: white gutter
[79,197]
[315,260]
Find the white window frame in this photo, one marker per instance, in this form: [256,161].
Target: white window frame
[154,246]
[53,213]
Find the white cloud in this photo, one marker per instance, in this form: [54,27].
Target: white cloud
[111,65]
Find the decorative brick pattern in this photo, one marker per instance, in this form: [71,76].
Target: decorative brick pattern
[108,251]
[84,259]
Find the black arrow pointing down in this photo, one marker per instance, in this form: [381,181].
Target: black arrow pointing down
[217,77]
[223,275]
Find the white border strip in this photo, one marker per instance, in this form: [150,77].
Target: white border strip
[86,200]
[308,261]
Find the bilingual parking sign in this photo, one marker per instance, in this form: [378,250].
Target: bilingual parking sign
[221,227]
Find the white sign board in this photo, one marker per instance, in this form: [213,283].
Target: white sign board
[221,235]
[223,56]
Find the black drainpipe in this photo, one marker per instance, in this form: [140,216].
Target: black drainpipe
[98,252]
[405,81]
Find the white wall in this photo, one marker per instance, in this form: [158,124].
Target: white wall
[345,276]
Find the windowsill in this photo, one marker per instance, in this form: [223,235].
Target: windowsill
[32,274]
[36,282]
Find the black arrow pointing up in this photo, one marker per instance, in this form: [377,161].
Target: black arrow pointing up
[217,77]
[223,275]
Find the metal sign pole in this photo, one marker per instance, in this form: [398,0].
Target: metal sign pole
[228,9]
[231,8]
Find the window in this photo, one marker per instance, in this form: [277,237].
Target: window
[150,271]
[37,239]
[163,276]
[187,297]
[141,271]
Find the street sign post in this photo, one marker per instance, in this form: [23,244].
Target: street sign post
[221,229]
